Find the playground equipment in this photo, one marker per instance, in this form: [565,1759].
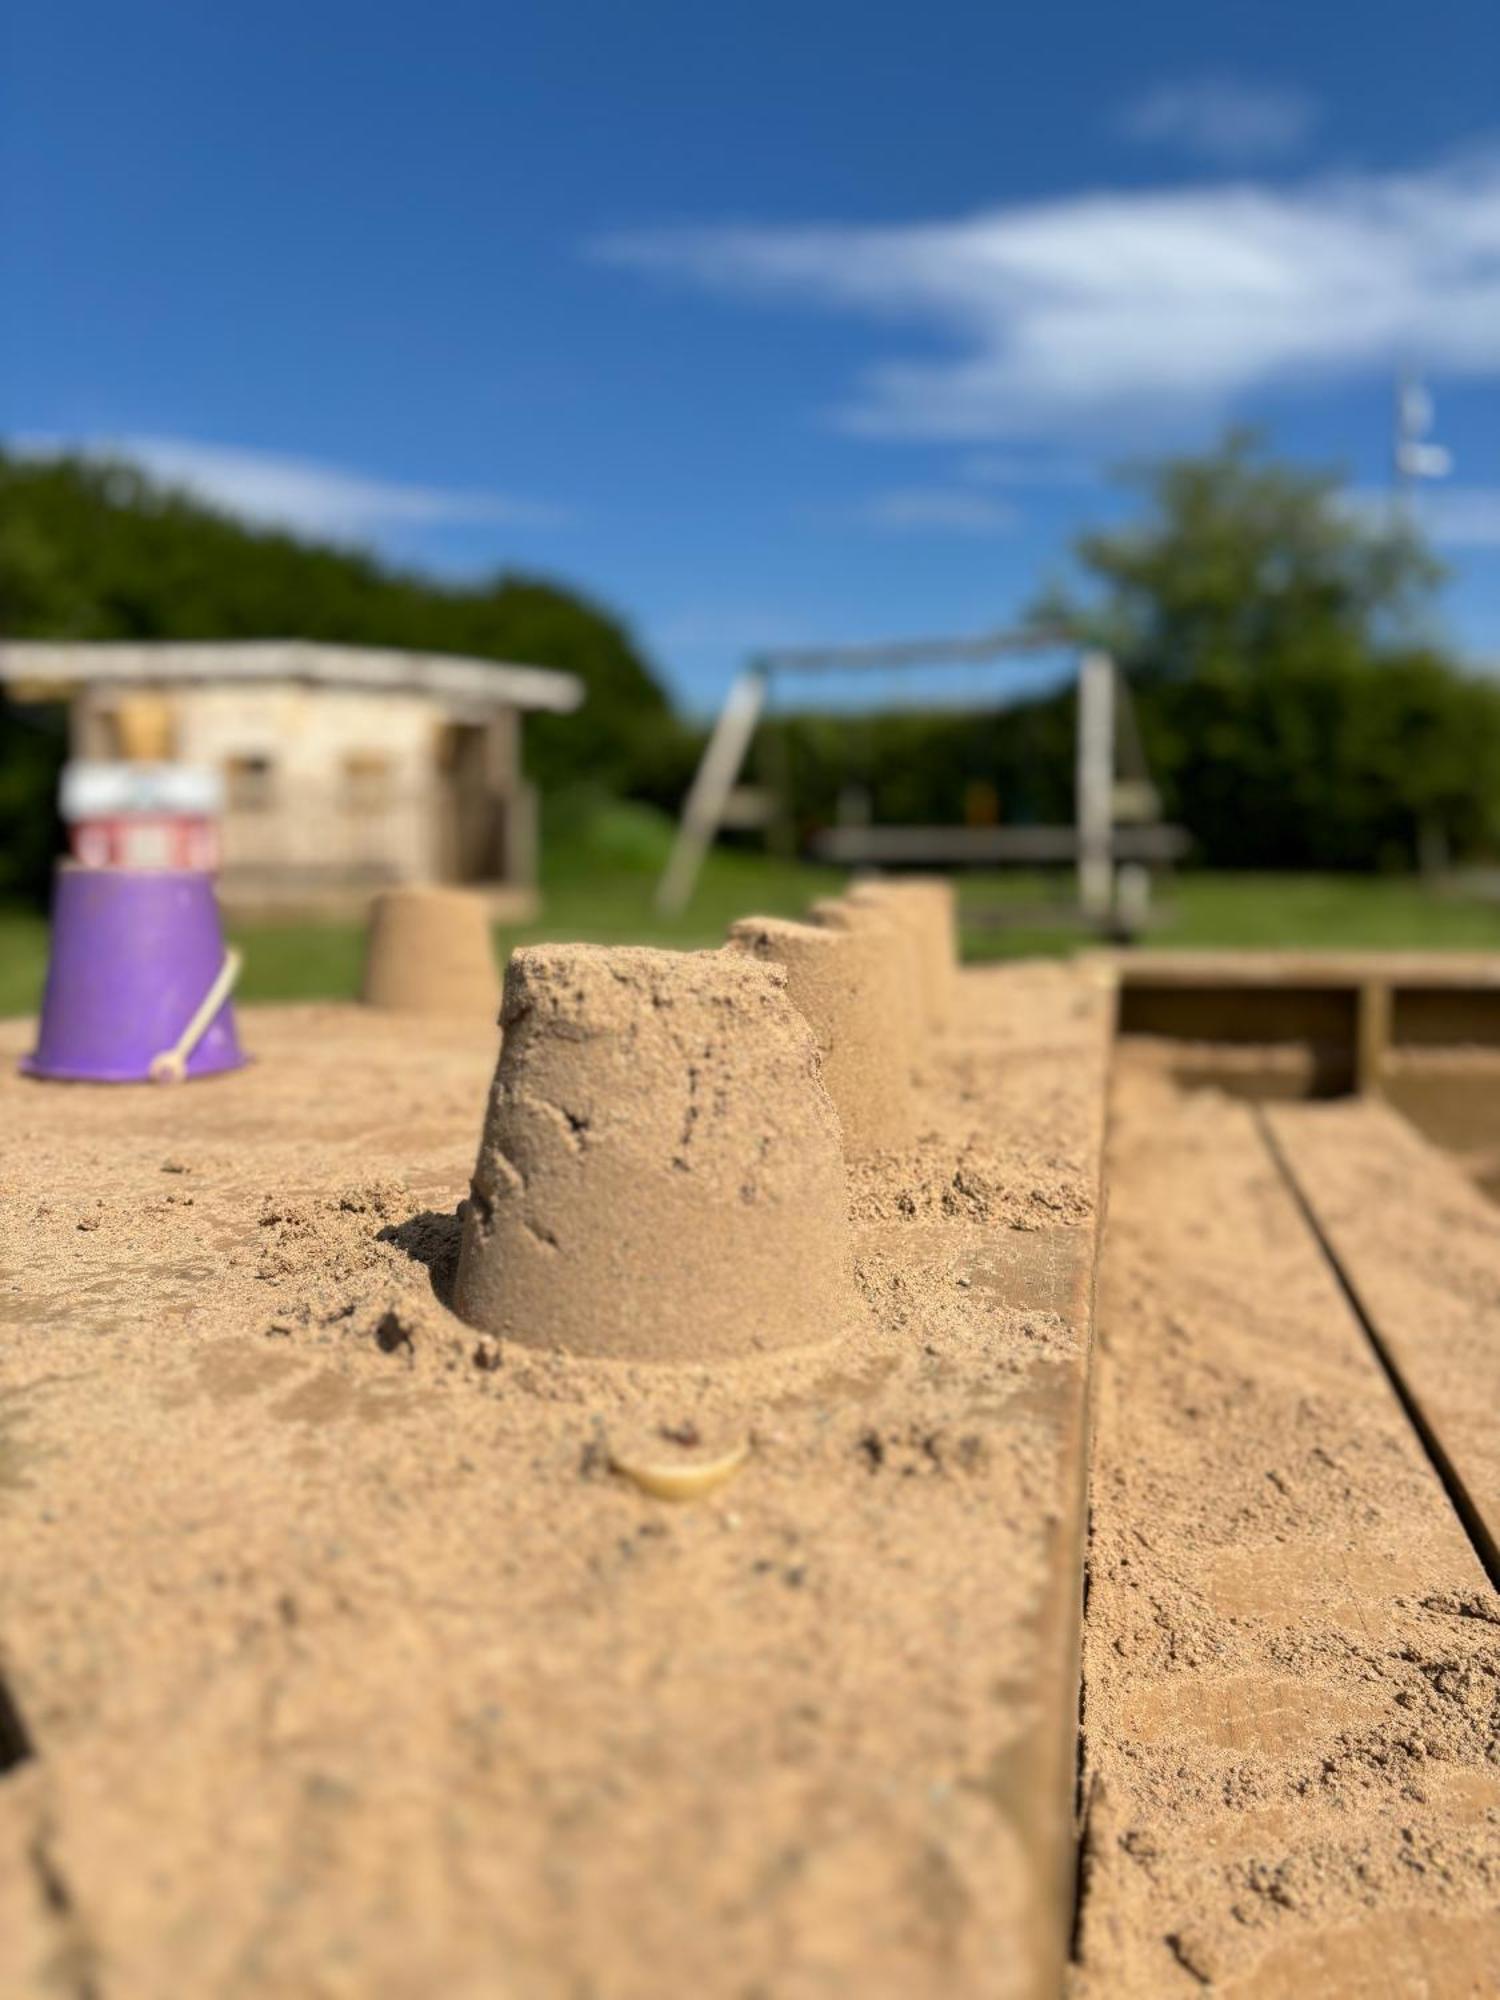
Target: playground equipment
[1117,815]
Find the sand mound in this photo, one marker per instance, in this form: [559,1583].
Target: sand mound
[837,981]
[428,951]
[661,1174]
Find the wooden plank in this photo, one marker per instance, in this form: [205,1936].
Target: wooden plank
[1419,1247]
[1408,971]
[1289,1645]
[973,846]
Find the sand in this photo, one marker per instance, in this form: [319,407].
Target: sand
[661,1174]
[1425,1271]
[838,980]
[430,951]
[351,1663]
[347,1648]
[1291,1752]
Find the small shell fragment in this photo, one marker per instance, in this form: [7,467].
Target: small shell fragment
[689,1480]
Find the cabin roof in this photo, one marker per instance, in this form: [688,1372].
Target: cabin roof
[46,665]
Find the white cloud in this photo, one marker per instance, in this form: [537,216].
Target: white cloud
[300,494]
[937,510]
[1221,119]
[1121,310]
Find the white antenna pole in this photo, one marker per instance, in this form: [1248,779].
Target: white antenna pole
[1415,456]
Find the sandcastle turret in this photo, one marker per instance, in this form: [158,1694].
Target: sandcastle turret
[899,949]
[925,905]
[661,1174]
[839,981]
[428,951]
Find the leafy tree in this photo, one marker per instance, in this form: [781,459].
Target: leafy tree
[1240,561]
[1289,710]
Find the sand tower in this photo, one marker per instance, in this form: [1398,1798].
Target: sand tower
[905,1013]
[925,904]
[838,981]
[661,1175]
[428,951]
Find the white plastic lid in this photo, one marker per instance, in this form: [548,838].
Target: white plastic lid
[97,791]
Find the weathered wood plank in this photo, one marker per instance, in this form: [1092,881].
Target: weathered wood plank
[1419,1247]
[1290,1649]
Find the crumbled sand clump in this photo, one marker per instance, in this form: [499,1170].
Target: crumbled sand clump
[661,1173]
[428,951]
[836,981]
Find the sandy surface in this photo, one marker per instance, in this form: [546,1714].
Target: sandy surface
[1292,1657]
[350,1666]
[1419,1246]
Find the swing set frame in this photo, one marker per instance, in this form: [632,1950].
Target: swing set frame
[1094,842]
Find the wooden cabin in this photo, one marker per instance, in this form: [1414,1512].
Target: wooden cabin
[344,768]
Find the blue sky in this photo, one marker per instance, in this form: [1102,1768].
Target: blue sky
[783,324]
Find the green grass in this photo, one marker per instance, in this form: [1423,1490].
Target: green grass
[600,874]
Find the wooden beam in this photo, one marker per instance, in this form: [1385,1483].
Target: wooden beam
[1418,1247]
[1274,1571]
[973,846]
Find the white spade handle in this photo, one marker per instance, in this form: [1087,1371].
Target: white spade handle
[171,1065]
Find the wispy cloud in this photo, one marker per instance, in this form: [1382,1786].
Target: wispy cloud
[1221,118]
[1004,468]
[1117,310]
[937,510]
[304,495]
[1452,517]
[1463,517]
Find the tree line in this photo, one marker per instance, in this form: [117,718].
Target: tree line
[1294,709]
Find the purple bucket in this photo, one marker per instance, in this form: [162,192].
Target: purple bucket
[138,981]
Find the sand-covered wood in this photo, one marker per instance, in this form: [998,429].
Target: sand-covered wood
[1419,1247]
[353,1666]
[1292,1655]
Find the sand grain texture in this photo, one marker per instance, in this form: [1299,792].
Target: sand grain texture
[352,1668]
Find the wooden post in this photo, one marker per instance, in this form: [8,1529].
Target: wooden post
[715,779]
[1095,784]
[1372,1036]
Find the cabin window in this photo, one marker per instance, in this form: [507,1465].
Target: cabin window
[367,781]
[249,784]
